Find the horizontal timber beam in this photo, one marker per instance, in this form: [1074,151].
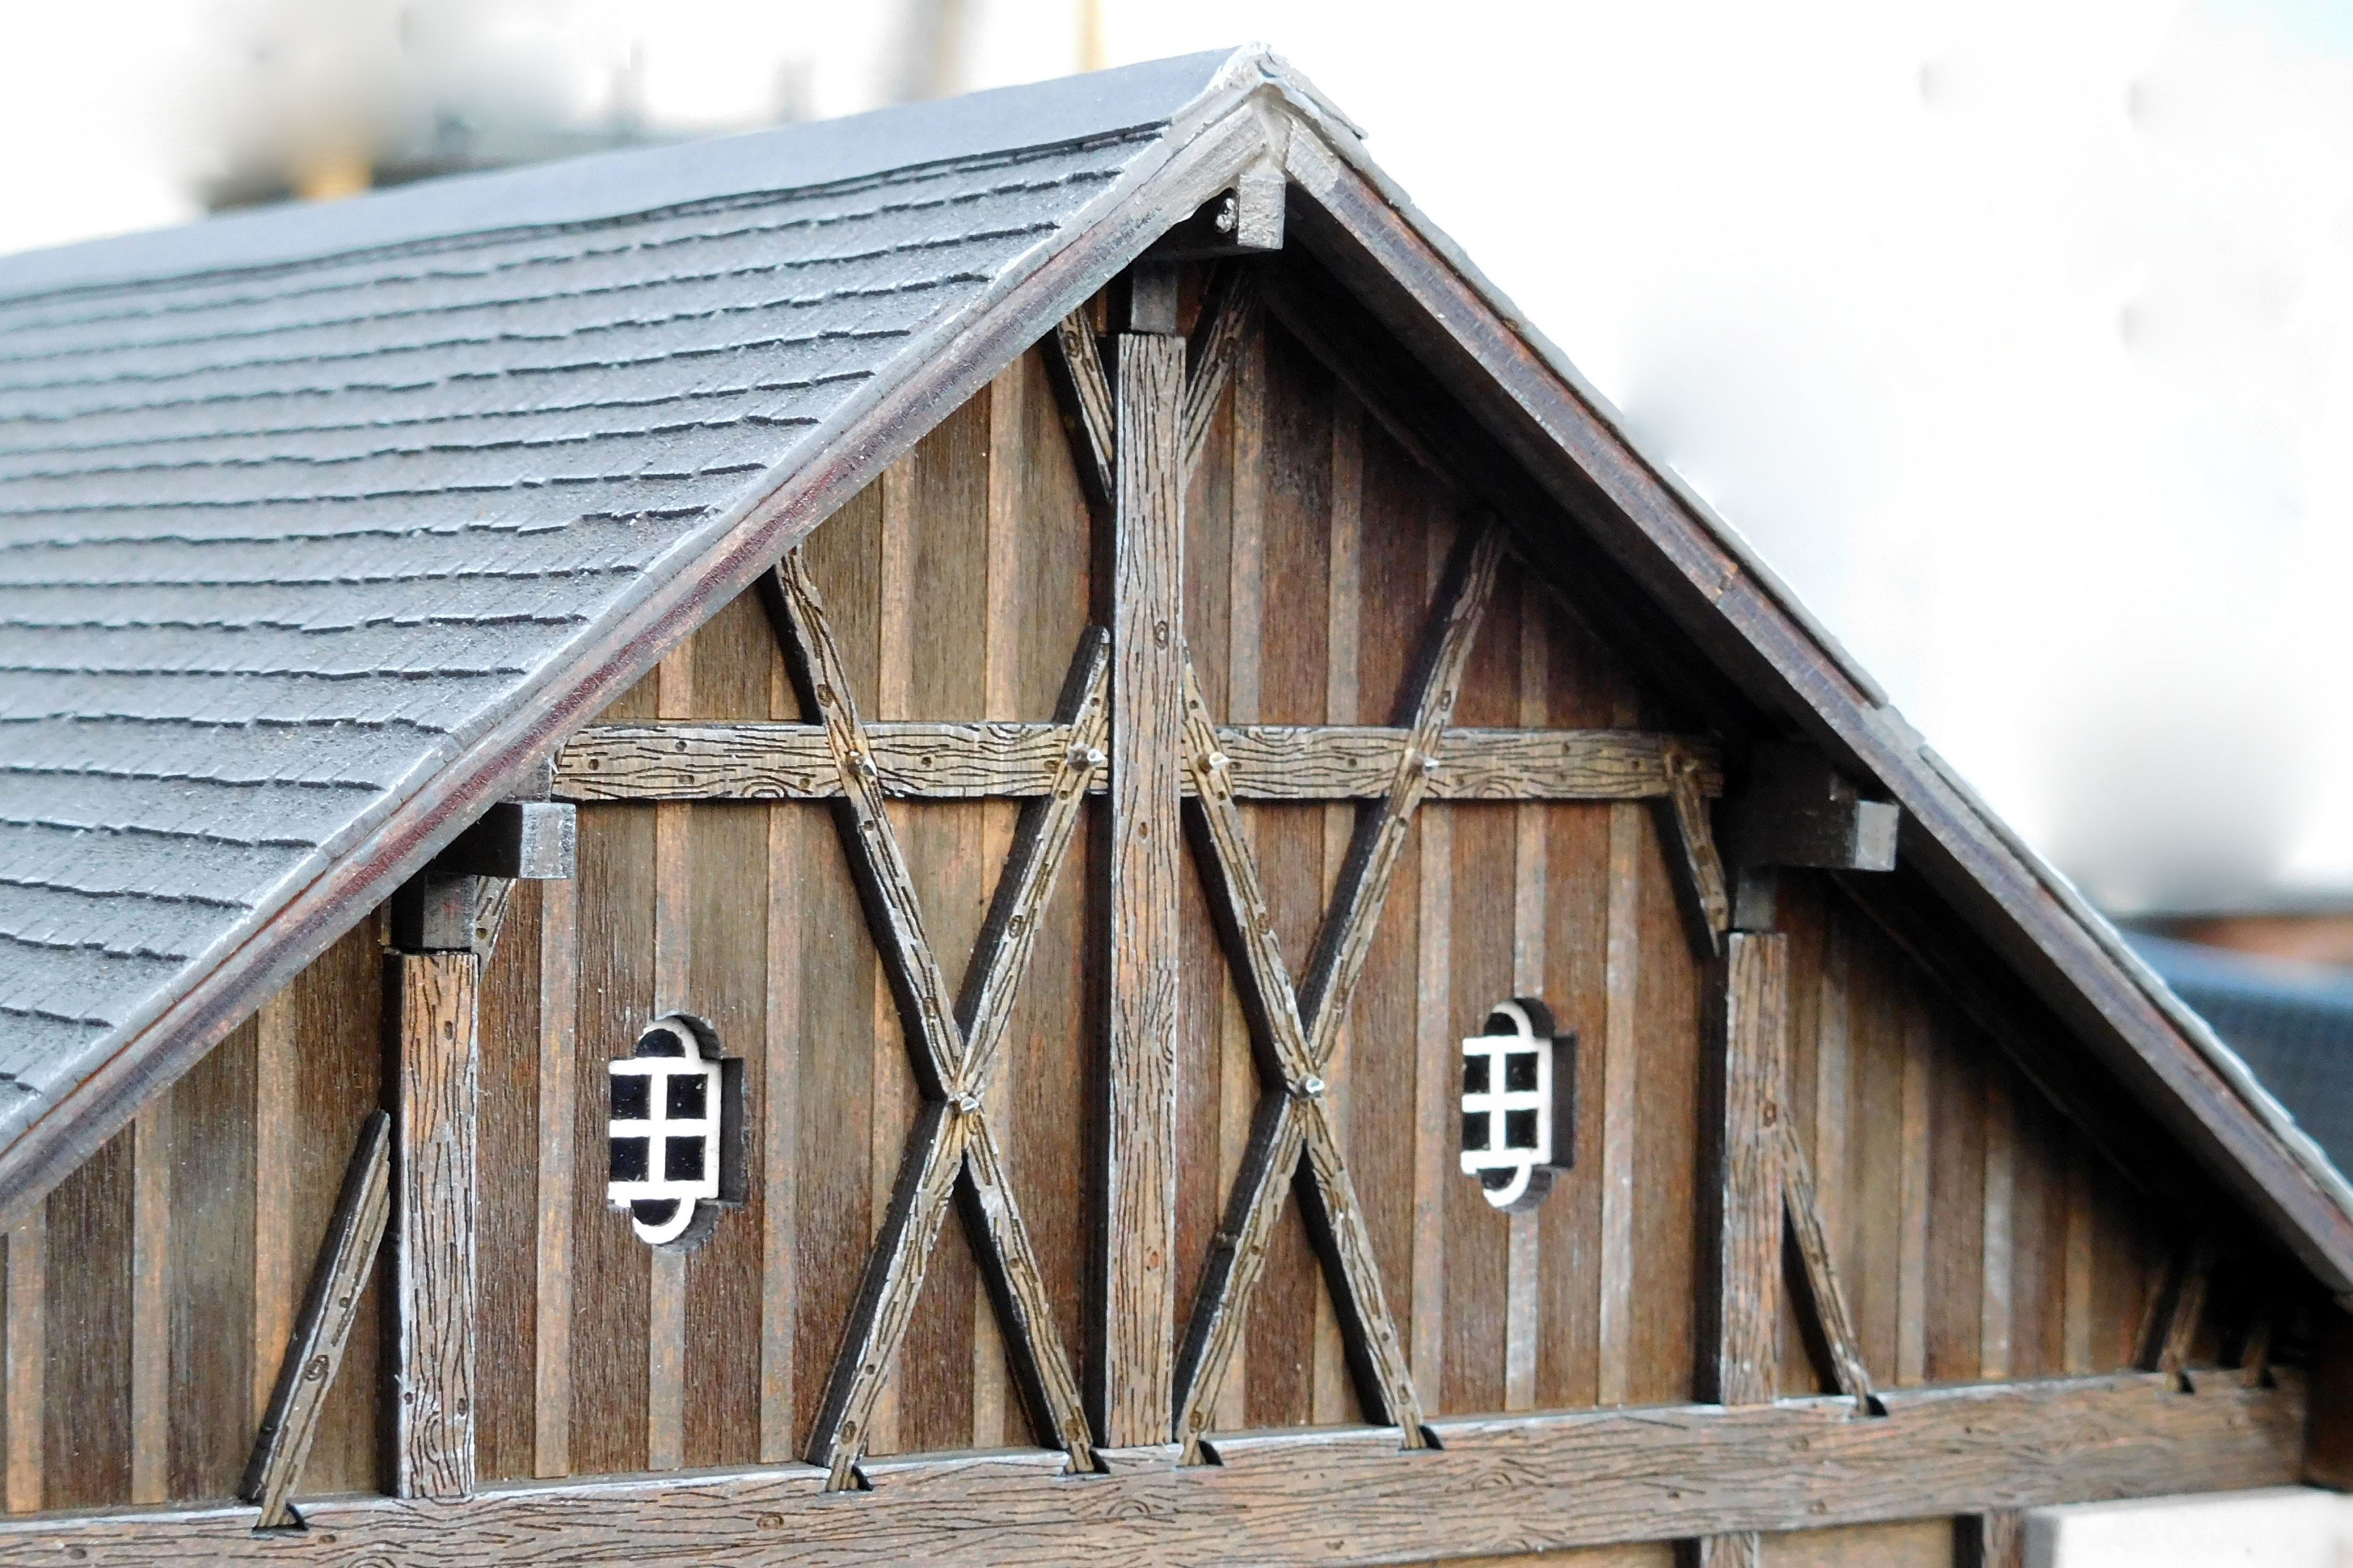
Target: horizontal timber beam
[967,761]
[1499,1485]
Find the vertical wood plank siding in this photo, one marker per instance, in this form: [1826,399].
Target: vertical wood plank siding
[1977,1234]
[436,1152]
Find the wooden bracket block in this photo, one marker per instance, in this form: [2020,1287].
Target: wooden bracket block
[1797,811]
[1147,297]
[434,913]
[528,840]
[1246,220]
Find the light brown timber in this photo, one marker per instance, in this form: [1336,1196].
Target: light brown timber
[27,1356]
[1498,1485]
[1139,1294]
[673,938]
[1995,1539]
[559,990]
[918,759]
[314,1353]
[433,1437]
[1698,869]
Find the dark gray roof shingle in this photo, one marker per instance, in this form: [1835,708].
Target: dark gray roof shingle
[291,503]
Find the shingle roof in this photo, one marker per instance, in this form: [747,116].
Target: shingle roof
[292,504]
[317,526]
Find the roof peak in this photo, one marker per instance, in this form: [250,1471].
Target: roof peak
[629,181]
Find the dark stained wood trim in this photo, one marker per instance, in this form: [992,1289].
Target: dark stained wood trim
[930,761]
[1497,1487]
[1831,1314]
[2185,1307]
[433,1373]
[1372,243]
[958,1045]
[1692,855]
[1139,1235]
[1086,386]
[877,864]
[315,1353]
[1217,346]
[953,361]
[1425,704]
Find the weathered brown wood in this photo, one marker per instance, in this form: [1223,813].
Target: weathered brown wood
[1692,855]
[151,1303]
[932,761]
[433,1376]
[2184,1306]
[1217,345]
[1558,438]
[958,1063]
[1425,705]
[1796,810]
[1621,976]
[2329,1436]
[559,989]
[872,846]
[1139,1299]
[1742,1549]
[26,1337]
[1750,1148]
[315,1352]
[1497,1486]
[1296,1029]
[1996,1540]
[1086,387]
[1832,1315]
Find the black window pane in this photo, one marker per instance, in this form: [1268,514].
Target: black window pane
[1519,1129]
[682,1158]
[1520,1071]
[654,1211]
[629,1159]
[630,1098]
[1474,1132]
[686,1097]
[1474,1075]
[661,1043]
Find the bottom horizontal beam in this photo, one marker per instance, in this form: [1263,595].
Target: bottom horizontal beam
[1498,1485]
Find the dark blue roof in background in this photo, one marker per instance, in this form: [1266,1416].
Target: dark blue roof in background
[2292,1023]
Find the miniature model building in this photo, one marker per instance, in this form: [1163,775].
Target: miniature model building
[1005,833]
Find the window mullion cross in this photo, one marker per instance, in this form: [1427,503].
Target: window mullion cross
[954,1050]
[1298,1028]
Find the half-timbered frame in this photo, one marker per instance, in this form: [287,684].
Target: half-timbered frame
[1083,649]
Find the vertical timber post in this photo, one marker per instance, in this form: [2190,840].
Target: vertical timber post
[1747,1300]
[1139,1298]
[437,1073]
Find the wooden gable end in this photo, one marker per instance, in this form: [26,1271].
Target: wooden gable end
[1982,1230]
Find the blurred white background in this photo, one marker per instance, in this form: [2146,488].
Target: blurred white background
[2017,336]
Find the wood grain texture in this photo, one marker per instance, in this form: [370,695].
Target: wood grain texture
[559,990]
[1833,1316]
[1139,1299]
[1743,1549]
[1621,982]
[1698,869]
[212,1271]
[1750,1147]
[86,1386]
[1498,1485]
[1996,1540]
[433,1438]
[275,1110]
[28,1358]
[1079,358]
[1218,346]
[151,1303]
[943,760]
[314,1353]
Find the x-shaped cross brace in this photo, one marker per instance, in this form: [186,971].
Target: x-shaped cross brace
[1293,1028]
[953,1148]
[1296,1028]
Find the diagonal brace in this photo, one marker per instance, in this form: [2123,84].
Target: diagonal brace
[953,1150]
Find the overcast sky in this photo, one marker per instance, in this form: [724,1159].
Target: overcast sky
[2018,337]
